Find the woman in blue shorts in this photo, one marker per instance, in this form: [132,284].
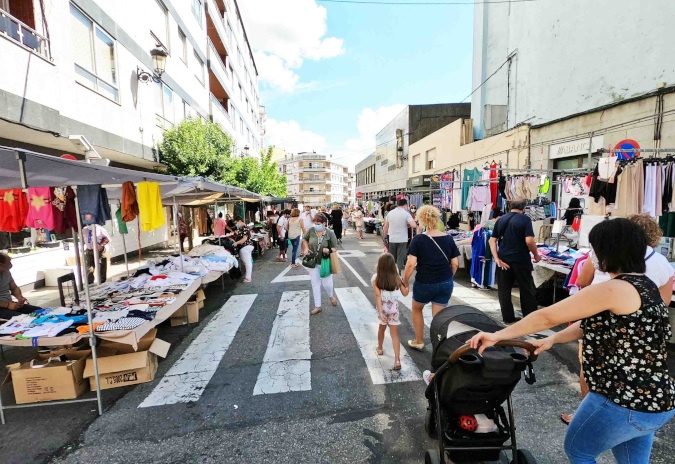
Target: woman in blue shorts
[435,255]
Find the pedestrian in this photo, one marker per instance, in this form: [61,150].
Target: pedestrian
[307,217]
[396,227]
[573,211]
[658,269]
[219,226]
[8,289]
[434,254]
[243,243]
[296,229]
[102,240]
[209,224]
[318,243]
[511,244]
[282,230]
[336,221]
[345,221]
[625,329]
[389,289]
[182,231]
[358,221]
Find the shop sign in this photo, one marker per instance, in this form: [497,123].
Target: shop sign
[419,181]
[575,148]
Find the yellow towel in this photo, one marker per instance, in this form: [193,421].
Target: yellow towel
[150,206]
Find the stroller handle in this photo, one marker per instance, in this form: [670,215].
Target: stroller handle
[529,347]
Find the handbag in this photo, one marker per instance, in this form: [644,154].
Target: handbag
[325,267]
[309,261]
[335,266]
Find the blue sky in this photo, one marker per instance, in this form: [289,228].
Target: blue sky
[331,88]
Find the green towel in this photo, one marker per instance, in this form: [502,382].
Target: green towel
[121,225]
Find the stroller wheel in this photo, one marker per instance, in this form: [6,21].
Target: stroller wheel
[525,457]
[432,457]
[430,424]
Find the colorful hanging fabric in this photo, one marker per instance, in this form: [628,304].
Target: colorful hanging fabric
[129,202]
[150,206]
[40,208]
[65,213]
[121,225]
[13,210]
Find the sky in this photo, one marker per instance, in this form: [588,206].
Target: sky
[331,75]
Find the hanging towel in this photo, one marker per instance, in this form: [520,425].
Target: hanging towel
[94,206]
[129,202]
[13,210]
[150,206]
[40,209]
[121,225]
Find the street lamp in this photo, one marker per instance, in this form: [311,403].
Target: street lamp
[159,66]
[246,150]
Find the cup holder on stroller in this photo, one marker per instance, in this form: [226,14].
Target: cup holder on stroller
[470,359]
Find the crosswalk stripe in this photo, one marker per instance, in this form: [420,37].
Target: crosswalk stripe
[426,311]
[287,362]
[362,318]
[189,376]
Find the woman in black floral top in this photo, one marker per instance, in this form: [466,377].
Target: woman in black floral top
[625,328]
[243,243]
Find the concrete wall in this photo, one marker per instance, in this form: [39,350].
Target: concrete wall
[569,56]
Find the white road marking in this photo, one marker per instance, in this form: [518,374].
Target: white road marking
[351,253]
[362,318]
[349,266]
[189,376]
[371,244]
[282,277]
[426,311]
[287,362]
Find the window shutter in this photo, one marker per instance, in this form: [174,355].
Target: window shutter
[81,29]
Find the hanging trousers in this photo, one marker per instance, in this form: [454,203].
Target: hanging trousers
[521,273]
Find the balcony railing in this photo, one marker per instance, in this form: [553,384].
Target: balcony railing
[23,35]
[215,56]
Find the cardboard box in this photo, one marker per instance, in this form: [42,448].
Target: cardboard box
[191,310]
[200,295]
[127,367]
[58,380]
[200,304]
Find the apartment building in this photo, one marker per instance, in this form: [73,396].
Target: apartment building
[351,187]
[314,179]
[85,76]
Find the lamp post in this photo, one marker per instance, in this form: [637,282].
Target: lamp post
[159,66]
[246,150]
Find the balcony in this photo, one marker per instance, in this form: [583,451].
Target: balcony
[23,35]
[218,68]
[314,181]
[219,115]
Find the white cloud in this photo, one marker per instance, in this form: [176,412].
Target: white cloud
[292,138]
[289,32]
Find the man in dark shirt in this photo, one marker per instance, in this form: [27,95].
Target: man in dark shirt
[515,237]
[8,289]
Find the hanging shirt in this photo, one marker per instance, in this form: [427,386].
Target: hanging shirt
[150,206]
[94,206]
[129,202]
[470,176]
[65,212]
[13,210]
[40,209]
[493,184]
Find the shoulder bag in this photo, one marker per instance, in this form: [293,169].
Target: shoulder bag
[311,260]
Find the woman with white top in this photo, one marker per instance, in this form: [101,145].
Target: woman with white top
[296,229]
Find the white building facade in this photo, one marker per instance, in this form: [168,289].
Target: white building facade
[73,71]
[540,61]
[313,179]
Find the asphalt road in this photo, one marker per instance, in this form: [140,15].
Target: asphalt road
[228,379]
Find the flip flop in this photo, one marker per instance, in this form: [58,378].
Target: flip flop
[333,301]
[566,418]
[379,352]
[416,346]
[397,367]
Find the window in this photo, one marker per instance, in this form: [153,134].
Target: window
[199,68]
[417,159]
[183,46]
[240,58]
[188,112]
[164,102]
[241,126]
[94,55]
[229,32]
[197,10]
[241,93]
[431,159]
[159,18]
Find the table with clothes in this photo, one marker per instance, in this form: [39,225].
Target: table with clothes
[463,240]
[122,311]
[554,262]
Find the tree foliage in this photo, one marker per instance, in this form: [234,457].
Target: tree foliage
[201,149]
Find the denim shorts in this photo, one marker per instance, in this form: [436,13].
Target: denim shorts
[438,293]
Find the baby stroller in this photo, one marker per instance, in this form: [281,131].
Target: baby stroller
[466,395]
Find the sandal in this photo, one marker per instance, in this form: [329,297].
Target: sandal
[315,311]
[397,366]
[416,346]
[379,351]
[566,418]
[247,281]
[333,301]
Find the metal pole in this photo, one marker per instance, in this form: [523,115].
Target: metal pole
[92,338]
[78,258]
[175,222]
[124,247]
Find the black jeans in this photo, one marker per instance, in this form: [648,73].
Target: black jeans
[89,264]
[522,273]
[7,314]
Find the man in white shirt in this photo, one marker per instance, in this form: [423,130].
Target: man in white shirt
[396,231]
[281,231]
[102,240]
[307,217]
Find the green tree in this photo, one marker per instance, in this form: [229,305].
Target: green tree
[197,148]
[258,176]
